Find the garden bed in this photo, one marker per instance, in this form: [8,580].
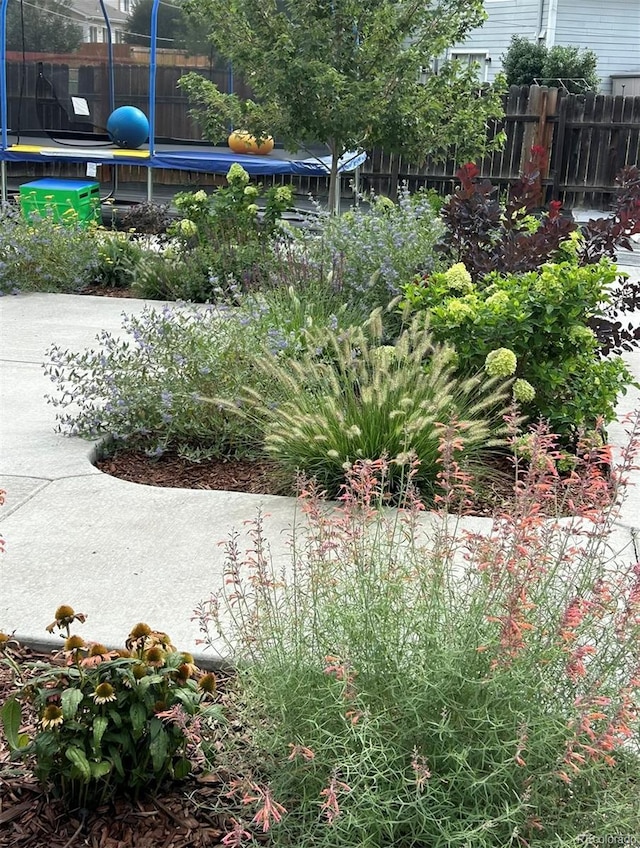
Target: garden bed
[256,477]
[404,345]
[180,816]
[183,815]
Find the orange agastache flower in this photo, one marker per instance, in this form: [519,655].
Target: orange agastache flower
[300,751]
[330,807]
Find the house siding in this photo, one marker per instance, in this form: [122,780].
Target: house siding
[89,16]
[505,19]
[611,29]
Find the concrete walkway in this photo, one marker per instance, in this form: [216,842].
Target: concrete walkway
[118,551]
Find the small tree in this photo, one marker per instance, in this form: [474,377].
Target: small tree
[573,68]
[346,73]
[45,27]
[175,29]
[524,61]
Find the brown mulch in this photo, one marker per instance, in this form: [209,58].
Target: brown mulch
[181,816]
[258,477]
[102,291]
[261,476]
[30,819]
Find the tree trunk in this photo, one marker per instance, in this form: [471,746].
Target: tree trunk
[333,203]
[394,177]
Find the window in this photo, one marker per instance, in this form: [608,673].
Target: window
[469,58]
[125,6]
[93,34]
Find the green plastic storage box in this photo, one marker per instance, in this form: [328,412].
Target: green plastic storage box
[72,201]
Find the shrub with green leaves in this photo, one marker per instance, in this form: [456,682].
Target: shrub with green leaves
[574,68]
[370,253]
[144,387]
[40,254]
[347,398]
[407,683]
[175,274]
[111,721]
[118,258]
[568,67]
[524,61]
[230,234]
[543,317]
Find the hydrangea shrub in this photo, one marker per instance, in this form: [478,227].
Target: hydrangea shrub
[534,326]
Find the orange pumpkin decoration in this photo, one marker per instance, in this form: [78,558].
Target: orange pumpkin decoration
[241,141]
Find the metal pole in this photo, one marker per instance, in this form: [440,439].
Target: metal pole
[3,95]
[112,87]
[153,45]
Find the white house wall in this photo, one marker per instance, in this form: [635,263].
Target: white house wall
[506,18]
[609,27]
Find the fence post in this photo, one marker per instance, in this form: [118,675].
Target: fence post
[531,128]
[558,147]
[544,136]
[541,105]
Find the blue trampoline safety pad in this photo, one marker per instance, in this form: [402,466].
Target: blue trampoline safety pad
[212,160]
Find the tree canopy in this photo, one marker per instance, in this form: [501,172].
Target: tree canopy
[349,73]
[47,27]
[569,67]
[175,29]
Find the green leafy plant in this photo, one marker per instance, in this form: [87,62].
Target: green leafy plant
[117,261]
[524,61]
[573,68]
[568,67]
[347,397]
[111,721]
[227,234]
[407,682]
[174,274]
[45,27]
[543,317]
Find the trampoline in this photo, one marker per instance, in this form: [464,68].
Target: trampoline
[155,154]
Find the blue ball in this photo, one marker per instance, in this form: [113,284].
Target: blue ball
[128,127]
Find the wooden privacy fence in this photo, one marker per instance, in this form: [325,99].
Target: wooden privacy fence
[588,138]
[91,81]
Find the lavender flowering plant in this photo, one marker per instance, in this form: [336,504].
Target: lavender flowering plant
[371,252]
[42,255]
[145,387]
